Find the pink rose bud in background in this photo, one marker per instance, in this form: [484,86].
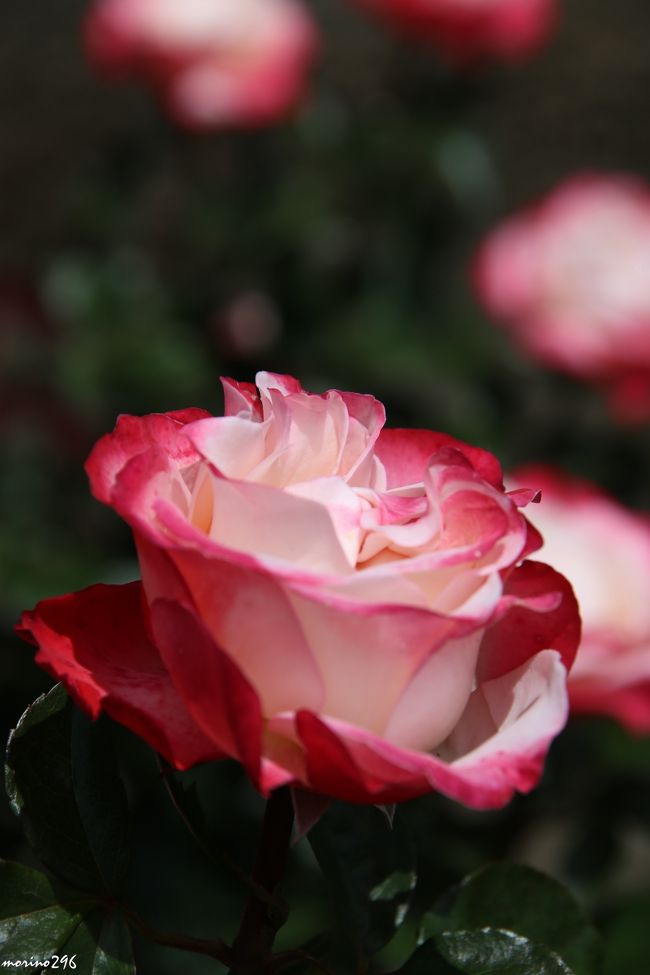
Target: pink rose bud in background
[570,278]
[214,62]
[470,29]
[336,605]
[604,549]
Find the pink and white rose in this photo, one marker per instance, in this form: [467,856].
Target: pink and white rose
[604,549]
[467,30]
[570,278]
[338,606]
[214,62]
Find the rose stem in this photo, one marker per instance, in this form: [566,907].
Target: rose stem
[263,919]
[213,949]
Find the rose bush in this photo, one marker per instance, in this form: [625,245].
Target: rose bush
[569,277]
[336,605]
[214,62]
[604,549]
[470,29]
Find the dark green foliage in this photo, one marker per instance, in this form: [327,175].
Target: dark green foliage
[370,868]
[508,920]
[63,783]
[40,920]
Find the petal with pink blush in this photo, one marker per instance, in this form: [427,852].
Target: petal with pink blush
[525,629]
[215,692]
[144,481]
[406,455]
[522,497]
[367,654]
[517,714]
[249,615]
[95,642]
[462,594]
[357,766]
[287,385]
[367,417]
[422,718]
[271,524]
[311,434]
[352,764]
[132,436]
[233,445]
[343,506]
[241,399]
[402,524]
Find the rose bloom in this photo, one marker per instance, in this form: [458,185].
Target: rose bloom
[570,278]
[471,29]
[215,62]
[604,549]
[337,606]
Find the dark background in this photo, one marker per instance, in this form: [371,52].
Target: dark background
[137,263]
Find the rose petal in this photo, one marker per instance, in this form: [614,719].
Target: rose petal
[132,436]
[249,615]
[95,642]
[357,766]
[524,631]
[406,454]
[367,654]
[214,690]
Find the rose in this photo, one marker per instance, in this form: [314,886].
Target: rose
[471,29]
[215,62]
[569,278]
[335,605]
[605,551]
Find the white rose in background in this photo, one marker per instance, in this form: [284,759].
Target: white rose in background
[570,278]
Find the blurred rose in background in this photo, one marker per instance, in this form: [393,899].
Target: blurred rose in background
[470,29]
[604,550]
[570,277]
[213,62]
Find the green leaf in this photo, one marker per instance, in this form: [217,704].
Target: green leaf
[370,869]
[486,951]
[491,951]
[102,945]
[39,919]
[63,782]
[522,900]
[508,920]
[34,922]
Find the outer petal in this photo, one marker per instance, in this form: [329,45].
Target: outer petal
[523,631]
[95,642]
[248,614]
[406,454]
[216,693]
[132,436]
[357,766]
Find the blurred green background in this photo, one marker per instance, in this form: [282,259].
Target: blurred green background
[138,263]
